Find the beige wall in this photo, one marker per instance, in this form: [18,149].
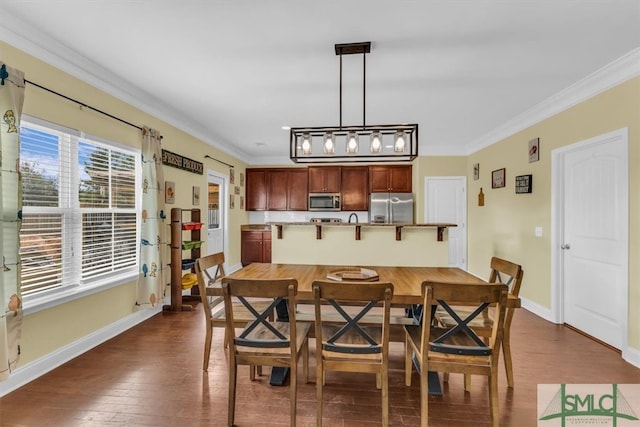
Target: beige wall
[51,329]
[505,225]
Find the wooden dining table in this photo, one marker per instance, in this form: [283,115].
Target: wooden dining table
[407,289]
[407,281]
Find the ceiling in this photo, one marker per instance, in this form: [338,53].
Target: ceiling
[232,73]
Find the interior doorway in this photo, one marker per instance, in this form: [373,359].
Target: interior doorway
[591,233]
[217,209]
[446,202]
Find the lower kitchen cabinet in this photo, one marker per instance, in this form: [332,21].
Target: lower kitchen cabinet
[255,246]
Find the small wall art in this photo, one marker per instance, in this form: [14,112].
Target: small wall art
[232,176]
[498,178]
[534,150]
[524,184]
[241,179]
[241,202]
[195,196]
[236,189]
[476,171]
[169,192]
[232,202]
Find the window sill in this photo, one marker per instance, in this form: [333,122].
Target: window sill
[67,294]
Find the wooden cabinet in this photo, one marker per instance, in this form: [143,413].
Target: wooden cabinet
[324,179]
[185,236]
[287,189]
[255,247]
[256,190]
[355,188]
[277,189]
[392,178]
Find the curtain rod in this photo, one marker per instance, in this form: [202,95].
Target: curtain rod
[83,104]
[206,156]
[106,114]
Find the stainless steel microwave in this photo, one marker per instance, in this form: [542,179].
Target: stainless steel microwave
[324,201]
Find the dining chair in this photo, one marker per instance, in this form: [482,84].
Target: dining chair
[511,274]
[210,271]
[456,348]
[265,342]
[351,346]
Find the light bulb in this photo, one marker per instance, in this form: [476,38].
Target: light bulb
[329,146]
[306,144]
[399,143]
[352,143]
[376,143]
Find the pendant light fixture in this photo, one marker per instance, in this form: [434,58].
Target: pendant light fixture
[403,137]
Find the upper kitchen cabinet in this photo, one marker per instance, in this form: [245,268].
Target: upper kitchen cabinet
[391,178]
[287,189]
[355,188]
[324,179]
[256,190]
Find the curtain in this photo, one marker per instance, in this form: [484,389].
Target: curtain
[11,100]
[153,244]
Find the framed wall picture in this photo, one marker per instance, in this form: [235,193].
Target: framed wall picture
[236,189]
[241,179]
[476,171]
[524,184]
[232,202]
[169,192]
[195,196]
[534,150]
[498,178]
[232,176]
[241,202]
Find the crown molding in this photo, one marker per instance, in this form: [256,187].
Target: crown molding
[34,42]
[622,69]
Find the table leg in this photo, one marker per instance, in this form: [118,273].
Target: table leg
[279,374]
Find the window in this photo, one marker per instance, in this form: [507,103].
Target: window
[80,209]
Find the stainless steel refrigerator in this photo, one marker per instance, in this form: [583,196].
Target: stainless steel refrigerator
[391,208]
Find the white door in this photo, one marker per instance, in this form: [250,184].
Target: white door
[216,213]
[446,201]
[594,242]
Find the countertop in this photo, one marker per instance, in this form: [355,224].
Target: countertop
[363,224]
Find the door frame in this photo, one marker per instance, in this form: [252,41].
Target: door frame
[224,196]
[463,180]
[557,226]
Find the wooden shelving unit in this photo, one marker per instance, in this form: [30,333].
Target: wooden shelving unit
[179,229]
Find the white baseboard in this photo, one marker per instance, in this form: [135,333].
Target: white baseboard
[41,366]
[632,355]
[538,310]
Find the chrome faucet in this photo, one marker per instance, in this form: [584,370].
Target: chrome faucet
[353,214]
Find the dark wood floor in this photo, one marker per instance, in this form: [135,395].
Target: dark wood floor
[152,376]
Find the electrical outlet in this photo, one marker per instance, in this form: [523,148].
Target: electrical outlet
[538,232]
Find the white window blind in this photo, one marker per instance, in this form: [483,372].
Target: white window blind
[80,209]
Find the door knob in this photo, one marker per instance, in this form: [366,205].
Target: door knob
[565,246]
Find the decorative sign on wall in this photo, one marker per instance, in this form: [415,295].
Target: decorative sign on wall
[534,150]
[181,162]
[498,178]
[524,184]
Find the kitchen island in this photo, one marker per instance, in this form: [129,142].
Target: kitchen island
[347,244]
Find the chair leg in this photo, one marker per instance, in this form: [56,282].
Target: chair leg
[207,349]
[385,396]
[305,360]
[493,399]
[319,384]
[379,381]
[233,371]
[225,342]
[445,377]
[293,385]
[252,372]
[467,382]
[408,354]
[506,347]
[424,397]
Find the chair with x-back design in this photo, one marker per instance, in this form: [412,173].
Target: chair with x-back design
[351,346]
[264,342]
[456,347]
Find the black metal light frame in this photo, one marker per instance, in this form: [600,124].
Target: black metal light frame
[363,131]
